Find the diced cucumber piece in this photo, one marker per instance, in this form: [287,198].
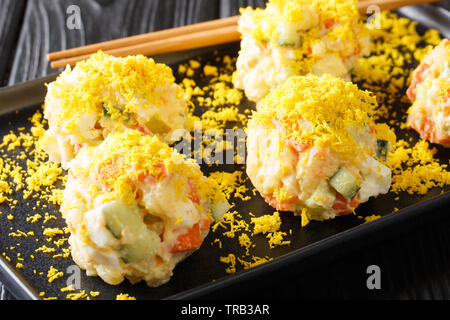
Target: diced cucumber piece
[126,224]
[288,35]
[114,228]
[292,44]
[105,112]
[219,209]
[344,182]
[322,198]
[157,125]
[286,44]
[355,192]
[382,149]
[100,236]
[143,247]
[127,116]
[119,217]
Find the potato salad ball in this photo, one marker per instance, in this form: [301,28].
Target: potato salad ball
[314,149]
[106,93]
[297,37]
[135,208]
[429,91]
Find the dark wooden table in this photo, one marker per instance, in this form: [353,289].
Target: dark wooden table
[415,263]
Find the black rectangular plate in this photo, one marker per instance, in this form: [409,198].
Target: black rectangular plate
[201,275]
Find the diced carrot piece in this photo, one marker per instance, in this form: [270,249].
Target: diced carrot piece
[108,169]
[344,206]
[354,203]
[298,146]
[205,223]
[425,128]
[146,177]
[261,45]
[416,79]
[142,129]
[193,193]
[282,206]
[192,239]
[444,142]
[328,23]
[77,147]
[357,49]
[427,131]
[162,170]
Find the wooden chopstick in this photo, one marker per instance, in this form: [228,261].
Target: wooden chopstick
[363,5]
[180,43]
[203,34]
[143,38]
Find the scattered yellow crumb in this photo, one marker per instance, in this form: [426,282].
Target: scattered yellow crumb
[266,223]
[45,249]
[53,274]
[269,225]
[94,293]
[371,218]
[34,218]
[244,241]
[304,217]
[209,70]
[124,296]
[69,288]
[233,222]
[52,232]
[231,261]
[414,169]
[77,296]
[256,261]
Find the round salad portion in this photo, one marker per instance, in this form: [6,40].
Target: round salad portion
[135,208]
[314,149]
[105,93]
[297,37]
[429,92]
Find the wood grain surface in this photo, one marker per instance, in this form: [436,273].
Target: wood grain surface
[416,263]
[11,14]
[44,29]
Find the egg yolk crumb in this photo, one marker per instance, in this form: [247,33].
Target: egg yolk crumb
[124,296]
